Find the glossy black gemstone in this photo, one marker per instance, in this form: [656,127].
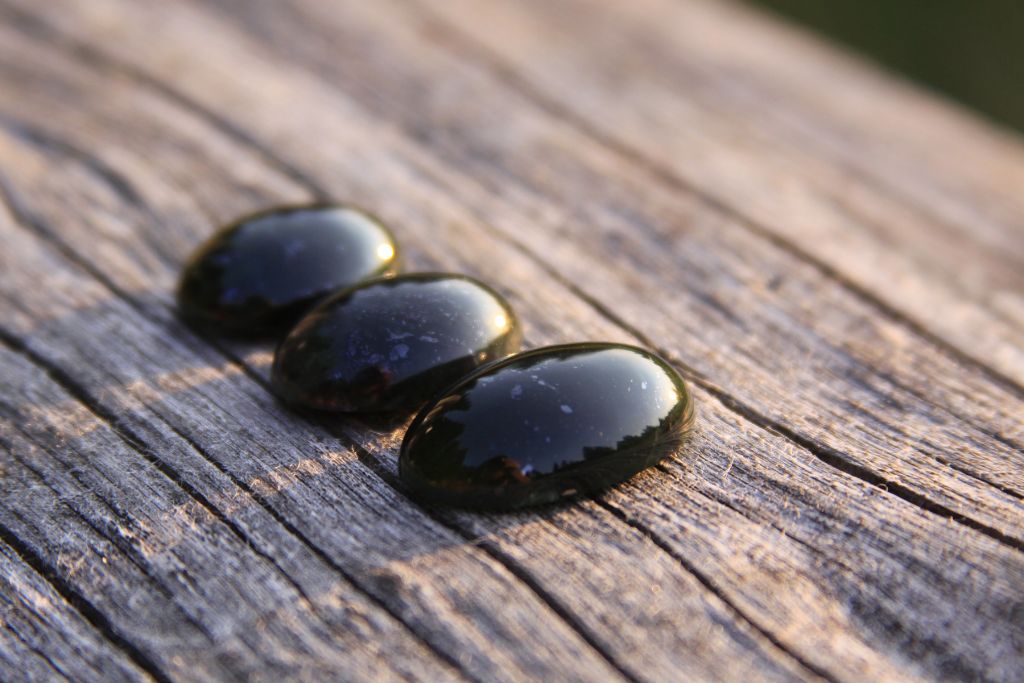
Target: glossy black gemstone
[545,425]
[391,344]
[259,274]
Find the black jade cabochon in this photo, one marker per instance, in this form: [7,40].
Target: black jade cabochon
[258,274]
[391,344]
[546,424]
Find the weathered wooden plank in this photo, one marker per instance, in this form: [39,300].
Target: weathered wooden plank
[885,598]
[395,577]
[43,637]
[162,566]
[770,327]
[733,166]
[288,505]
[82,203]
[850,175]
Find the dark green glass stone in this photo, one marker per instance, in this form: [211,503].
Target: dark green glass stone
[391,344]
[259,274]
[545,425]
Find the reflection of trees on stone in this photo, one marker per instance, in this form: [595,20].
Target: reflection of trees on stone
[502,471]
[443,444]
[605,464]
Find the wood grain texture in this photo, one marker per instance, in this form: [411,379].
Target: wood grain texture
[747,119]
[850,507]
[47,638]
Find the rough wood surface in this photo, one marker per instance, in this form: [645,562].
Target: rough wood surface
[834,260]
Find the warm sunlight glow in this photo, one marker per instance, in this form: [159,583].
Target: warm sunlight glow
[385,252]
[500,321]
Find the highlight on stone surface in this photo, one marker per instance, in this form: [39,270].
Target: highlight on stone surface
[260,273]
[391,344]
[545,425]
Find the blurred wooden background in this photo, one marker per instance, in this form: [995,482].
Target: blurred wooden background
[833,259]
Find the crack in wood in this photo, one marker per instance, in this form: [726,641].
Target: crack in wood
[320,554]
[38,652]
[712,588]
[551,601]
[124,550]
[89,612]
[59,377]
[135,443]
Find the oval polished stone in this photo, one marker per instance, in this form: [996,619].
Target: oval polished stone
[391,344]
[262,272]
[545,425]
